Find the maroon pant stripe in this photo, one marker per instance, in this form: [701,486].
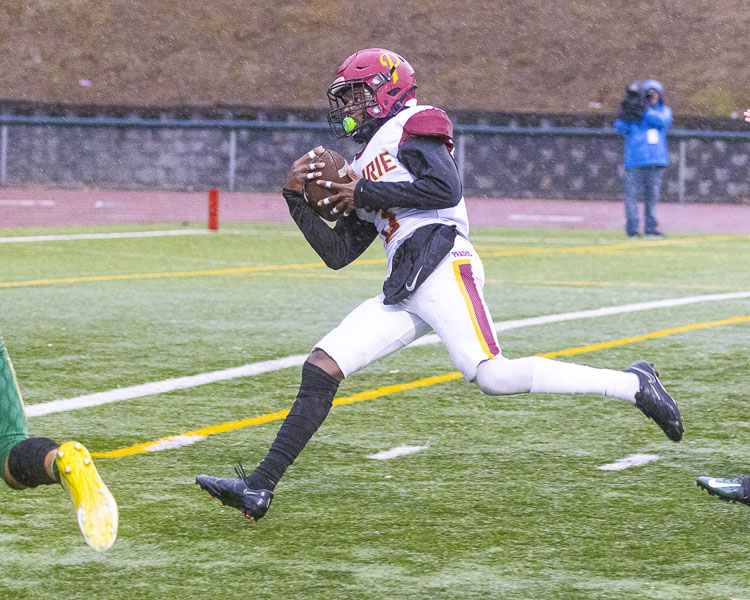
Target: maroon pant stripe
[485,327]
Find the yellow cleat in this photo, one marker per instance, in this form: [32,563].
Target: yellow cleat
[94,504]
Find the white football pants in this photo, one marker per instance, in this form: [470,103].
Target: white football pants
[451,303]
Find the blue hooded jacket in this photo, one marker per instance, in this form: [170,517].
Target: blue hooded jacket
[646,142]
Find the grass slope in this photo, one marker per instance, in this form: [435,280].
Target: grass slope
[529,55]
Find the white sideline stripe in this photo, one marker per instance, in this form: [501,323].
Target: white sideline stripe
[632,460]
[161,387]
[598,312]
[396,452]
[105,236]
[179,383]
[537,239]
[27,203]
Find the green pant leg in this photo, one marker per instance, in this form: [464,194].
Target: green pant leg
[12,420]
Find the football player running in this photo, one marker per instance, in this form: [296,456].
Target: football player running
[28,462]
[736,489]
[406,190]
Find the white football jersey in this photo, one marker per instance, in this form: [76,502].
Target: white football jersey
[378,162]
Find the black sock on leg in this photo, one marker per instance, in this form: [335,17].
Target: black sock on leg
[313,403]
[26,462]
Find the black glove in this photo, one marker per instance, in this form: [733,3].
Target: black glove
[633,104]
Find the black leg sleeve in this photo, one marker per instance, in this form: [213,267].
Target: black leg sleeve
[26,462]
[314,401]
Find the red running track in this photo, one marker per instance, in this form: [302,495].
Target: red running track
[42,207]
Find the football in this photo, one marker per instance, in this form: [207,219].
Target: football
[334,170]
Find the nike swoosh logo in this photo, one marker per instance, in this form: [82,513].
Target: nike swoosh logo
[251,493]
[651,378]
[410,288]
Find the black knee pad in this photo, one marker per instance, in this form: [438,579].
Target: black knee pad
[26,461]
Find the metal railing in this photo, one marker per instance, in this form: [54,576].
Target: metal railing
[232,125]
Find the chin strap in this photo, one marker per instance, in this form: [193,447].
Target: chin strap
[368,129]
[399,104]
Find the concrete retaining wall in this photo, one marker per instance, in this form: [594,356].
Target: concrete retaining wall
[512,166]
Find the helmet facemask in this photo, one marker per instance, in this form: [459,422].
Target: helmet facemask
[353,104]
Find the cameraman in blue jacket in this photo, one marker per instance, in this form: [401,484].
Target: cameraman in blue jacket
[643,119]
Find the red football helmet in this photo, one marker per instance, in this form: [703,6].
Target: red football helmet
[370,84]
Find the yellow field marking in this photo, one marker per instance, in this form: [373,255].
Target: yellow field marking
[645,336]
[348,275]
[636,284]
[277,416]
[232,271]
[659,252]
[551,282]
[373,261]
[391,389]
[610,247]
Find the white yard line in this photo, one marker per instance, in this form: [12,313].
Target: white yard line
[546,218]
[179,383]
[177,441]
[396,452]
[632,460]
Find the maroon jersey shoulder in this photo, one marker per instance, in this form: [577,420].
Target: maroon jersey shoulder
[430,122]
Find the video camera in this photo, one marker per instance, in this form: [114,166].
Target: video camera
[634,103]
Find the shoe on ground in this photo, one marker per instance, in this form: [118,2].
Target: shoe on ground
[654,401]
[634,235]
[729,490]
[235,493]
[94,504]
[654,234]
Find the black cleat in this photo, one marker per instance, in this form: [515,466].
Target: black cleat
[654,402]
[235,493]
[729,490]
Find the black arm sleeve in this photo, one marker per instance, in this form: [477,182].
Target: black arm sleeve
[436,184]
[338,246]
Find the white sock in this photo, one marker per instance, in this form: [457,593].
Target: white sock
[555,377]
[500,376]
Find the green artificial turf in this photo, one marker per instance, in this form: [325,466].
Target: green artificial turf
[504,501]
